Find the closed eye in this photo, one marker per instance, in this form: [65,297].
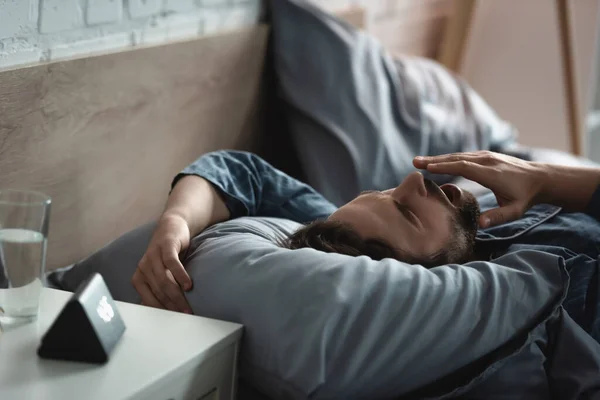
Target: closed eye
[409,215]
[368,192]
[406,212]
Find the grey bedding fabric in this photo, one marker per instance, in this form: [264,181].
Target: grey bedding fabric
[331,326]
[359,116]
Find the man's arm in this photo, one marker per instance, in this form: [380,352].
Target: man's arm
[250,186]
[573,188]
[160,275]
[216,187]
[197,202]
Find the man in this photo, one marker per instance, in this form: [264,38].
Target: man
[416,222]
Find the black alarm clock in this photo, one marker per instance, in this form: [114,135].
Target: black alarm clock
[87,328]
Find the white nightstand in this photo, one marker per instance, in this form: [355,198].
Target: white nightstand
[162,355]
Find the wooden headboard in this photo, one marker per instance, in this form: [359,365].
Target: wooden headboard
[104,136]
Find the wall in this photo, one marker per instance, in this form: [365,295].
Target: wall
[41,30]
[403,26]
[33,31]
[513,60]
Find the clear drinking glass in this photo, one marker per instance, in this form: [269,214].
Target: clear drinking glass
[24,219]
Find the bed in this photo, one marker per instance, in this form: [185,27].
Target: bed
[104,135]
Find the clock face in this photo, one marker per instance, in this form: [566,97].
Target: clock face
[105,310]
[92,317]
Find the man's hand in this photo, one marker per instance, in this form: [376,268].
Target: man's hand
[517,184]
[160,276]
[193,205]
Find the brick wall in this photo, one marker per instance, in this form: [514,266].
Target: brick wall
[34,31]
[41,30]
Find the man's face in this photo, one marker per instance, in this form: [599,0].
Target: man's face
[418,218]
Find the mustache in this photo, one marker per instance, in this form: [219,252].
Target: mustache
[430,185]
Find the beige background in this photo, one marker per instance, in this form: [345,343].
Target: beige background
[403,26]
[512,59]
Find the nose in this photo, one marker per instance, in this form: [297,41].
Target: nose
[412,185]
[453,193]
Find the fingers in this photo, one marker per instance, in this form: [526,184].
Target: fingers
[479,157]
[157,286]
[148,299]
[171,261]
[155,283]
[467,169]
[166,289]
[176,294]
[501,215]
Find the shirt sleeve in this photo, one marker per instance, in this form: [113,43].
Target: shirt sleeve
[252,187]
[593,207]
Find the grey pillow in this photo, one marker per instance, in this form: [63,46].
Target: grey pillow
[116,262]
[353,108]
[332,326]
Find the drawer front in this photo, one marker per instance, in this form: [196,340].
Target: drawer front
[213,379]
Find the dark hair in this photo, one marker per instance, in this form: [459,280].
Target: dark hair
[337,237]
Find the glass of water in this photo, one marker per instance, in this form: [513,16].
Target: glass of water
[24,219]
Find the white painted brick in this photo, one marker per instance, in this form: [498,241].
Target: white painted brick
[152,36]
[17,17]
[172,27]
[212,2]
[91,46]
[234,18]
[185,31]
[179,5]
[18,58]
[239,16]
[231,18]
[103,11]
[135,37]
[64,32]
[60,15]
[212,22]
[143,8]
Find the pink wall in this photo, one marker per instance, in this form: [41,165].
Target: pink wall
[512,59]
[403,26]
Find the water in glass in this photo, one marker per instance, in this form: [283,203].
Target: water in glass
[23,237]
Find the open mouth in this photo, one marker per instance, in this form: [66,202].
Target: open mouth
[435,190]
[446,193]
[454,194]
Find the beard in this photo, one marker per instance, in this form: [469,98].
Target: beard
[467,215]
[467,219]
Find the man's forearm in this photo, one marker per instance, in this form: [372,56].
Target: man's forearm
[250,186]
[198,202]
[568,187]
